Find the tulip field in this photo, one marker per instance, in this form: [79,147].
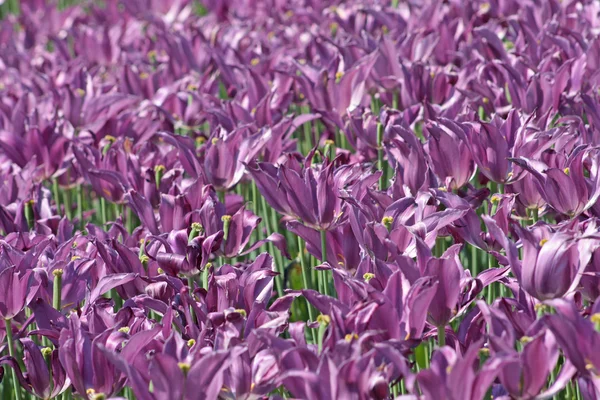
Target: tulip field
[300,199]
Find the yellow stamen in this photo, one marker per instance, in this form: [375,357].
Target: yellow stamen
[184,367]
[350,336]
[526,339]
[324,319]
[368,276]
[241,311]
[46,352]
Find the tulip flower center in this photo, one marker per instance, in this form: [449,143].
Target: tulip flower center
[526,339]
[324,319]
[191,343]
[368,276]
[595,319]
[184,367]
[46,352]
[338,76]
[387,222]
[241,311]
[95,396]
[350,336]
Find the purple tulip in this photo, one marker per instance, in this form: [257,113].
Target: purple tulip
[16,286]
[567,190]
[310,194]
[440,381]
[552,266]
[442,147]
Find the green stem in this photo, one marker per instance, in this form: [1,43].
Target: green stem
[278,259]
[67,201]
[56,289]
[474,267]
[532,215]
[380,155]
[12,353]
[130,224]
[323,274]
[306,282]
[441,331]
[307,134]
[29,214]
[491,288]
[103,213]
[80,207]
[322,331]
[56,195]
[205,272]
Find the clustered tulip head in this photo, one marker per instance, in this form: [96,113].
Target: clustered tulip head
[320,200]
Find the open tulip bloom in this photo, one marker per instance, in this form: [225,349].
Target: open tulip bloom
[262,199]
